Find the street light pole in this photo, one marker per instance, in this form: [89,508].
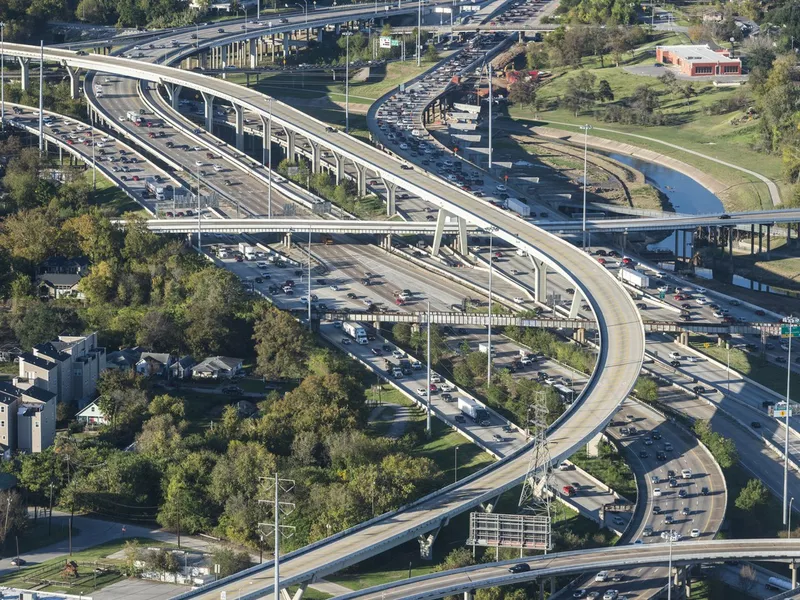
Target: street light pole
[669,570]
[456,466]
[309,280]
[586,129]
[347,35]
[792,321]
[419,33]
[41,97]
[94,164]
[2,77]
[490,115]
[428,420]
[789,527]
[489,344]
[269,161]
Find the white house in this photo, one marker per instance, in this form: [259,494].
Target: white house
[92,415]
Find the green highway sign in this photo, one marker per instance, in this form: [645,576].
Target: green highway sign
[790,330]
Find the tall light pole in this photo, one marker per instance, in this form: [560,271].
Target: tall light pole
[94,164]
[792,321]
[586,129]
[671,538]
[347,35]
[419,33]
[269,161]
[490,115]
[455,468]
[491,231]
[428,389]
[309,279]
[789,527]
[304,6]
[199,233]
[728,367]
[41,97]
[2,78]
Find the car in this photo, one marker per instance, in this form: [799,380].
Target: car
[668,519]
[375,351]
[673,483]
[682,493]
[232,390]
[675,363]
[519,568]
[351,296]
[578,593]
[656,510]
[685,511]
[346,341]
[656,434]
[593,595]
[497,438]
[755,424]
[695,533]
[643,454]
[724,216]
[422,391]
[18,562]
[704,491]
[656,492]
[617,576]
[655,479]
[460,419]
[610,595]
[661,455]
[568,491]
[760,313]
[648,441]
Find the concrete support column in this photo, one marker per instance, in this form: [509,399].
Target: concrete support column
[575,307]
[426,546]
[437,236]
[298,595]
[285,47]
[730,245]
[208,99]
[339,167]
[683,338]
[223,57]
[760,238]
[253,53]
[579,335]
[463,242]
[287,240]
[174,94]
[793,567]
[239,111]
[290,139]
[769,240]
[202,60]
[361,180]
[687,580]
[391,197]
[540,278]
[752,238]
[315,156]
[74,82]
[25,73]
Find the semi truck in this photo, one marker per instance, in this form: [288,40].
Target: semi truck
[473,410]
[519,207]
[247,250]
[355,331]
[634,278]
[133,116]
[485,348]
[158,189]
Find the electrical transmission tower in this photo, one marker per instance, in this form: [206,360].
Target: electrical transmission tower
[274,487]
[536,491]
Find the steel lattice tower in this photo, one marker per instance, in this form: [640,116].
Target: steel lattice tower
[536,491]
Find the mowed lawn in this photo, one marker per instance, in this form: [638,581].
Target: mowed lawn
[690,127]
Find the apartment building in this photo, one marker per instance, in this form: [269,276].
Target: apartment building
[27,418]
[68,367]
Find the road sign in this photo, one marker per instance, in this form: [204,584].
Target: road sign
[395,43]
[779,410]
[790,330]
[385,41]
[662,295]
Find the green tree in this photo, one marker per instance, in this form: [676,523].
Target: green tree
[753,495]
[160,437]
[165,404]
[281,343]
[431,53]
[522,93]
[604,91]
[230,561]
[456,559]
[579,93]
[647,388]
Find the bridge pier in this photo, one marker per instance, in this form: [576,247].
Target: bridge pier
[253,53]
[391,197]
[208,99]
[437,235]
[540,279]
[687,581]
[793,567]
[470,595]
[25,73]
[463,241]
[361,180]
[287,239]
[298,595]
[579,335]
[593,445]
[769,240]
[74,82]
[575,307]
[426,544]
[291,137]
[386,242]
[239,110]
[223,58]
[488,507]
[173,93]
[315,156]
[683,338]
[339,167]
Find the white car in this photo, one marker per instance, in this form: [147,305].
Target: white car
[367,302]
[217,168]
[447,387]
[403,146]
[198,163]
[519,299]
[601,576]
[656,492]
[262,264]
[398,354]
[197,149]
[337,324]
[500,187]
[610,595]
[695,533]
[435,378]
[335,288]
[422,392]
[675,355]
[701,300]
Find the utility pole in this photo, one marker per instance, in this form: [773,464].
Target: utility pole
[347,35]
[419,33]
[491,231]
[2,77]
[50,514]
[269,161]
[278,486]
[309,279]
[586,129]
[490,116]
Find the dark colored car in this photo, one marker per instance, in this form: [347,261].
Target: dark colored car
[519,568]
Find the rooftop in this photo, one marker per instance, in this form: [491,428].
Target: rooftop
[702,53]
[36,361]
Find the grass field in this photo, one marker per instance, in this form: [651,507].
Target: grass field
[690,127]
[110,197]
[749,364]
[47,577]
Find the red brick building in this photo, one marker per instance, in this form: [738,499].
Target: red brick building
[699,61]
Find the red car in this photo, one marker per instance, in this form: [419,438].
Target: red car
[136,178]
[679,297]
[602,261]
[568,491]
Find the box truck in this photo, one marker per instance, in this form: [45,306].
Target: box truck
[634,278]
[473,410]
[158,189]
[485,348]
[355,331]
[519,207]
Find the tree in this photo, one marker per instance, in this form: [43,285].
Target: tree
[96,237]
[604,91]
[159,331]
[402,333]
[668,79]
[122,397]
[13,514]
[39,322]
[456,559]
[647,389]
[30,235]
[281,343]
[230,561]
[165,404]
[753,495]
[159,437]
[522,93]
[431,53]
[579,93]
